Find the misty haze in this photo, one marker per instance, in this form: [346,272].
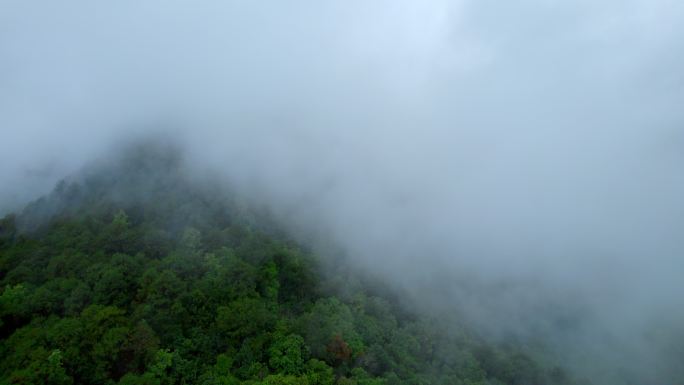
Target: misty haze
[342,192]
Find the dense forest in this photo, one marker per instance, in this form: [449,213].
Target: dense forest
[135,273]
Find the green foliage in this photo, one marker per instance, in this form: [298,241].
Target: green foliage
[245,317]
[287,354]
[14,302]
[45,368]
[180,287]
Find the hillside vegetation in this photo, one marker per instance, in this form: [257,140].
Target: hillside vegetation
[132,274]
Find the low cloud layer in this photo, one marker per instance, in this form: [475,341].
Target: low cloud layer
[534,145]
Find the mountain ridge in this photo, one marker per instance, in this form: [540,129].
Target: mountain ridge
[135,273]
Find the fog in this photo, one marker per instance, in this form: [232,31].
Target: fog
[518,163]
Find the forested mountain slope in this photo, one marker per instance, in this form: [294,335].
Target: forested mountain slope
[133,273]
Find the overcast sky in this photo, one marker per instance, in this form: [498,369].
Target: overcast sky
[533,141]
